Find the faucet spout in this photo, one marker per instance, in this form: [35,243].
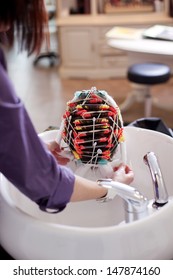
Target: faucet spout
[134,202]
[160,192]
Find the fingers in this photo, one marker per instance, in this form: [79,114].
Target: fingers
[53,146]
[56,151]
[60,159]
[123,173]
[128,169]
[123,167]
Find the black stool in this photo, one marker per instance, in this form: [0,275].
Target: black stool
[144,75]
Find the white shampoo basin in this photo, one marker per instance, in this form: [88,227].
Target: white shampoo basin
[92,230]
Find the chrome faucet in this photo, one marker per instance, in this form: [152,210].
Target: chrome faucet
[135,203]
[137,206]
[160,192]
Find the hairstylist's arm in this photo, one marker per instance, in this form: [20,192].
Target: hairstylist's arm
[85,189]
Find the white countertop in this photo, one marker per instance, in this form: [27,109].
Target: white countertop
[149,46]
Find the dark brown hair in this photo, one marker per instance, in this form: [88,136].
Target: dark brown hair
[28,22]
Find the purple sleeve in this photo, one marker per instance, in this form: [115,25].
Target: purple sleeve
[24,159]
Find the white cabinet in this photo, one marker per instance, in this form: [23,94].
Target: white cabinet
[77,48]
[85,54]
[82,44]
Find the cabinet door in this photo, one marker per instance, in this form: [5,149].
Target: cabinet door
[77,46]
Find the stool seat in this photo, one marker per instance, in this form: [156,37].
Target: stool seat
[149,73]
[143,76]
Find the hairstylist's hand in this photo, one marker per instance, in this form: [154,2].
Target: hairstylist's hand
[123,174]
[56,151]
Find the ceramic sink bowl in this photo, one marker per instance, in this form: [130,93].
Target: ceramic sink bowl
[93,230]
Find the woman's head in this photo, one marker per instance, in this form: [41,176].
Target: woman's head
[93,126]
[27,20]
